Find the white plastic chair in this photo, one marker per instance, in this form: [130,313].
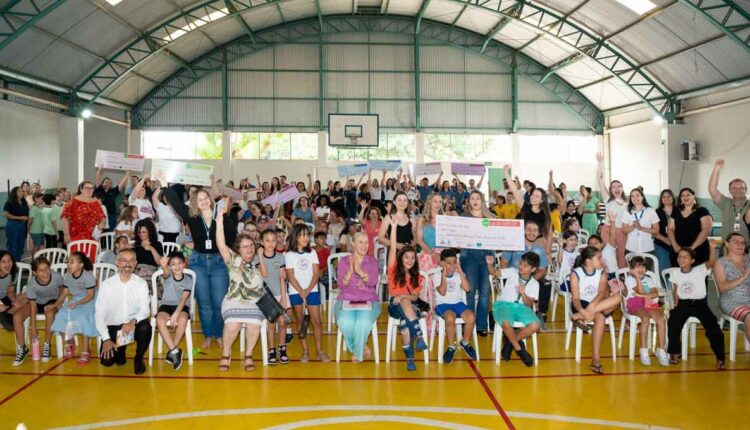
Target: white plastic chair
[650,258]
[439,323]
[583,236]
[392,334]
[380,252]
[104,271]
[374,336]
[61,268]
[107,240]
[53,255]
[332,292]
[168,247]
[733,329]
[558,291]
[633,319]
[188,330]
[497,342]
[263,339]
[609,321]
[85,247]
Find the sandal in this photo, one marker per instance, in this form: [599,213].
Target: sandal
[224,367]
[249,367]
[83,360]
[283,359]
[597,368]
[581,325]
[721,365]
[674,358]
[272,356]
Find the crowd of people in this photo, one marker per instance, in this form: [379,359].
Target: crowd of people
[240,251]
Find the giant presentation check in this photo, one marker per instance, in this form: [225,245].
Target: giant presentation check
[479,233]
[183,173]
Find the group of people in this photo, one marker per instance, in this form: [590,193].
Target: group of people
[241,251]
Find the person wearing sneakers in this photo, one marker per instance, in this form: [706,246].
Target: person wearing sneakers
[76,315]
[122,311]
[173,310]
[42,292]
[450,283]
[514,304]
[273,270]
[643,301]
[404,285]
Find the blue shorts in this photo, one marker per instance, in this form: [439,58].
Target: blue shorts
[456,308]
[513,313]
[313,299]
[37,239]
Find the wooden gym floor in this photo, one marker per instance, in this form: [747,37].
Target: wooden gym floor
[559,394]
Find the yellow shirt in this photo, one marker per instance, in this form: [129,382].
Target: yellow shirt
[507,211]
[556,220]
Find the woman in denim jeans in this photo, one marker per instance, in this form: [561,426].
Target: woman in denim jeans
[212,278]
[474,265]
[16,212]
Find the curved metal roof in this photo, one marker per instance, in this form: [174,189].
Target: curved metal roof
[605,51]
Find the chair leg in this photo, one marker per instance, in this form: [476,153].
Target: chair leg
[264,341]
[338,345]
[568,332]
[154,333]
[59,345]
[633,334]
[159,345]
[375,343]
[622,332]
[732,340]
[476,341]
[566,301]
[684,338]
[693,329]
[242,338]
[579,342]
[536,349]
[423,326]
[432,333]
[613,338]
[554,304]
[389,333]
[189,343]
[441,340]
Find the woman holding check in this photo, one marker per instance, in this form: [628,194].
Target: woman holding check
[357,305]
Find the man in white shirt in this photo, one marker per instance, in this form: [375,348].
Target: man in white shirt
[122,310]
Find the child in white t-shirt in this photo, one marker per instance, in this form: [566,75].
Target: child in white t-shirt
[568,252]
[451,285]
[643,300]
[689,289]
[514,304]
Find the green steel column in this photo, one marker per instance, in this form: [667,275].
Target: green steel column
[321,80]
[417,98]
[514,94]
[225,93]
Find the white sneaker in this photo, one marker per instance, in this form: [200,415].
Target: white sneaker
[645,359]
[662,356]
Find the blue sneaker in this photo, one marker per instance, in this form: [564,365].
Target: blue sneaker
[421,345]
[410,364]
[469,350]
[449,353]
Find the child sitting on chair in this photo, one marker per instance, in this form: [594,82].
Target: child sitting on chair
[449,304]
[515,303]
[173,310]
[643,301]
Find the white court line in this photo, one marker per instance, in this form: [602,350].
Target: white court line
[351,408]
[373,419]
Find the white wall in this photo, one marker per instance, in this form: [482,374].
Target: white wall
[638,157]
[30,145]
[104,135]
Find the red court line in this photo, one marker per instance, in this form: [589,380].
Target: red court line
[492,397]
[30,383]
[586,375]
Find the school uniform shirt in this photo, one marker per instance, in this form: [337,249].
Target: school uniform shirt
[647,281]
[5,282]
[37,222]
[302,264]
[376,194]
[588,283]
[453,291]
[691,285]
[274,265]
[637,240]
[609,256]
[174,288]
[120,302]
[145,210]
[568,260]
[50,215]
[511,292]
[389,194]
[322,211]
[44,293]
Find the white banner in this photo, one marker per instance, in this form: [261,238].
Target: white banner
[479,233]
[183,173]
[119,161]
[388,165]
[352,170]
[468,169]
[426,169]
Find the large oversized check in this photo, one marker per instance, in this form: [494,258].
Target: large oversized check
[352,169]
[119,161]
[183,173]
[426,169]
[288,194]
[467,169]
[479,233]
[234,193]
[389,165]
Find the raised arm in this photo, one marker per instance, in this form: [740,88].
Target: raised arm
[481,180]
[123,182]
[603,190]
[513,188]
[214,190]
[309,190]
[713,182]
[139,186]
[383,237]
[98,179]
[220,240]
[177,204]
[437,181]
[393,246]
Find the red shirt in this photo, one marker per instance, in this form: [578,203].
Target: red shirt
[323,255]
[401,289]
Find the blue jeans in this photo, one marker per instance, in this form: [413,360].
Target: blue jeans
[478,276]
[662,256]
[211,285]
[15,232]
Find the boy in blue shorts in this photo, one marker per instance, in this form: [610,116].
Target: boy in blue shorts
[514,304]
[449,304]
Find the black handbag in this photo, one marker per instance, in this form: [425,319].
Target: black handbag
[271,308]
